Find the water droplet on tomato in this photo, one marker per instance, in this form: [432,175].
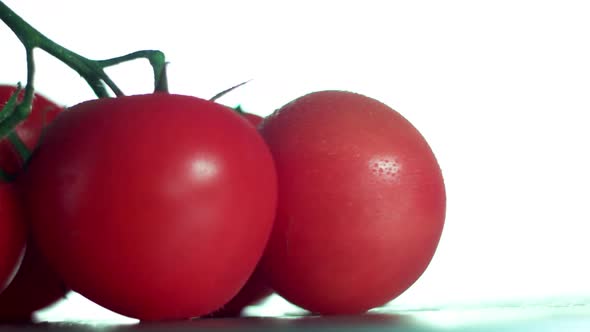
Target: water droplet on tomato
[385,168]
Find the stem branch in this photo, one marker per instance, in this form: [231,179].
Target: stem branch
[92,71]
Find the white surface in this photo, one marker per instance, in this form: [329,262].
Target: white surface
[500,89]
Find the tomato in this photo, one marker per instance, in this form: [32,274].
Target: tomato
[256,288]
[43,111]
[154,206]
[12,234]
[34,287]
[361,203]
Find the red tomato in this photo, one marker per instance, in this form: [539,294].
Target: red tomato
[154,206]
[12,234]
[361,203]
[34,287]
[29,131]
[257,288]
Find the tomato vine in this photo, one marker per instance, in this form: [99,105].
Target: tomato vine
[92,71]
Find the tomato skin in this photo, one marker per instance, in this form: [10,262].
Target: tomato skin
[13,232]
[361,203]
[43,111]
[154,206]
[254,119]
[34,287]
[256,288]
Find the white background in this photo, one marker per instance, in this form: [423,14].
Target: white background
[500,89]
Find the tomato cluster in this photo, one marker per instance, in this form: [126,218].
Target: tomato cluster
[33,283]
[164,206]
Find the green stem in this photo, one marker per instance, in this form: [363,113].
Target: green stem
[91,70]
[22,150]
[239,109]
[161,79]
[157,61]
[27,35]
[23,109]
[226,91]
[20,111]
[31,38]
[10,106]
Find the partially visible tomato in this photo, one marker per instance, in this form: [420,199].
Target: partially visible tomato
[154,206]
[34,287]
[13,232]
[43,111]
[361,203]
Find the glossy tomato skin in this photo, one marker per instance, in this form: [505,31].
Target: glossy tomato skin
[257,287]
[154,206]
[13,232]
[43,111]
[361,203]
[35,286]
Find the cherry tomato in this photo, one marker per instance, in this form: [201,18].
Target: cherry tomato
[154,206]
[12,234]
[34,287]
[361,203]
[29,131]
